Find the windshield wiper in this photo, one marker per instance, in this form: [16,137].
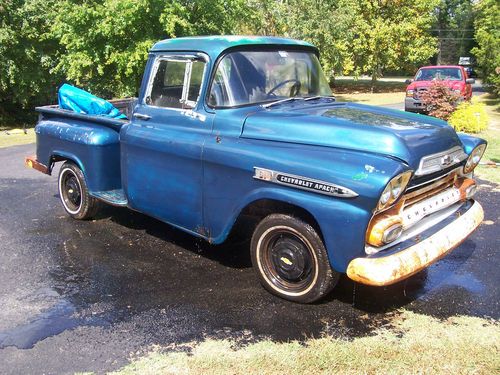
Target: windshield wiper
[320,97]
[281,101]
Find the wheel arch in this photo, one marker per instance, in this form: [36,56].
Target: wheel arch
[263,207]
[57,156]
[260,207]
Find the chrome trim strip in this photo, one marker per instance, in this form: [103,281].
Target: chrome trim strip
[414,213]
[446,159]
[436,180]
[303,183]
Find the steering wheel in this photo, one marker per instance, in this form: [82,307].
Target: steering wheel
[295,86]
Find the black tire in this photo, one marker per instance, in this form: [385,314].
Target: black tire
[291,260]
[74,193]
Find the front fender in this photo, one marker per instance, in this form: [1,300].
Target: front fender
[470,142]
[342,223]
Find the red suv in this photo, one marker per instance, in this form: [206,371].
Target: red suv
[454,76]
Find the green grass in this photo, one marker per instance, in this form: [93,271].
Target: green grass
[15,137]
[373,99]
[492,135]
[414,344]
[348,85]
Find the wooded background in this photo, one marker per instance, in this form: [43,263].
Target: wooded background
[102,45]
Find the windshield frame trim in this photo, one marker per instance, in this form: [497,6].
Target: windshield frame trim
[252,48]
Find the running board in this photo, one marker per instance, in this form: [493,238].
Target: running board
[115,197]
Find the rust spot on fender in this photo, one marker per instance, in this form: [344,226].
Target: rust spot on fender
[203,231]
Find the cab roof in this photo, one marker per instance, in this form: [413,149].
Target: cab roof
[215,45]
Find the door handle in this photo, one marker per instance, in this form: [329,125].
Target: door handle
[140,116]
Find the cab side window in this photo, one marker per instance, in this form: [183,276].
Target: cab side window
[175,83]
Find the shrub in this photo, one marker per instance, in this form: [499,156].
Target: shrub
[439,100]
[469,118]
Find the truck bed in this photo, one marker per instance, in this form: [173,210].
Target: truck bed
[90,141]
[125,106]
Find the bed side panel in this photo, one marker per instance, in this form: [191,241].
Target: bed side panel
[95,148]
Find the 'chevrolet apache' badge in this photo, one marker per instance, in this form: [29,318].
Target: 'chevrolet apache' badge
[303,183]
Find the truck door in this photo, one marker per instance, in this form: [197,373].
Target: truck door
[162,147]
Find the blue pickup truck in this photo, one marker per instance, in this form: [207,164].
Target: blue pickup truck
[226,127]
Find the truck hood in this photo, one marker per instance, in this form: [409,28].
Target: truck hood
[349,126]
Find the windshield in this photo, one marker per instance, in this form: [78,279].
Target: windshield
[250,77]
[447,74]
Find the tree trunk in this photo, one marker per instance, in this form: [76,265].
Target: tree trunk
[440,46]
[374,79]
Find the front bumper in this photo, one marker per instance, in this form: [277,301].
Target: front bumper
[413,105]
[388,269]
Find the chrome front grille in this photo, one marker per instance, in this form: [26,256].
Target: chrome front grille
[440,161]
[434,197]
[419,92]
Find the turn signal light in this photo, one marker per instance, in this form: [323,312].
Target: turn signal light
[392,233]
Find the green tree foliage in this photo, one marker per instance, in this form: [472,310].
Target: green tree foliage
[355,36]
[391,34]
[325,23]
[488,40]
[102,45]
[27,56]
[453,25]
[106,42]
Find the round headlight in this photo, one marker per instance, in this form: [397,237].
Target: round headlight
[394,189]
[474,158]
[384,198]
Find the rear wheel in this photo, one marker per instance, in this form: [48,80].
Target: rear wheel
[291,260]
[74,193]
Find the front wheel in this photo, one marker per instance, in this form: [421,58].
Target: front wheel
[291,260]
[74,193]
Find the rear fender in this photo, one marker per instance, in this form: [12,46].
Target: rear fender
[94,148]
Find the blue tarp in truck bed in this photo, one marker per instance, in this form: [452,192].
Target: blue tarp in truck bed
[80,101]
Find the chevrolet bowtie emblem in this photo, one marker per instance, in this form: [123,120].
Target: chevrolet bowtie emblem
[446,160]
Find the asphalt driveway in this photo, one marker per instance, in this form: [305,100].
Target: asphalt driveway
[86,296]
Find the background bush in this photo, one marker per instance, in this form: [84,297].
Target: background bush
[439,100]
[469,117]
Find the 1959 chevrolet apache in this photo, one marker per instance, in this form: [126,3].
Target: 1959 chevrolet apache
[232,126]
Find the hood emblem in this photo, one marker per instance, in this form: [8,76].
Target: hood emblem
[446,160]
